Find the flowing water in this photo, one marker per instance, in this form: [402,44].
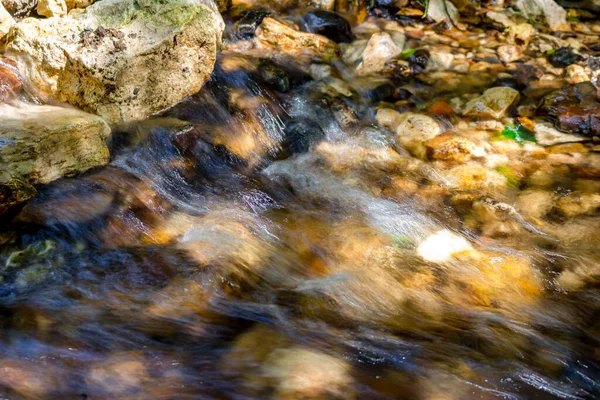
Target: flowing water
[260,241]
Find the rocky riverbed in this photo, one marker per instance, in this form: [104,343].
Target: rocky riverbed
[306,199]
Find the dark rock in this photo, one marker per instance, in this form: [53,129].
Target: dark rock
[526,73]
[564,57]
[281,76]
[418,61]
[301,134]
[388,92]
[274,76]
[328,24]
[574,108]
[245,27]
[509,81]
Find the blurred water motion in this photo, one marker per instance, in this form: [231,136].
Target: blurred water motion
[234,250]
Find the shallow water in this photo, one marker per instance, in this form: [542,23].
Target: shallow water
[221,256]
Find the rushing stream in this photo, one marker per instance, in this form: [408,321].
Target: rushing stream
[270,238]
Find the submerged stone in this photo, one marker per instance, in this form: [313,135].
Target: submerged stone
[121,59]
[301,135]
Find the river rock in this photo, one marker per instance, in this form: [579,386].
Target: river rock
[493,103]
[547,135]
[509,53]
[413,130]
[380,49]
[535,203]
[452,148]
[121,59]
[277,36]
[42,143]
[245,27]
[574,108]
[564,57]
[439,61]
[576,204]
[52,8]
[328,24]
[301,373]
[576,74]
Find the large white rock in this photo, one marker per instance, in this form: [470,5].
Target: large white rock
[40,144]
[121,59]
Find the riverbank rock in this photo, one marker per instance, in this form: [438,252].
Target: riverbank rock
[121,59]
[42,143]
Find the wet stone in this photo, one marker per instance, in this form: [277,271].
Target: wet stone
[494,103]
[574,108]
[280,76]
[419,60]
[380,48]
[510,81]
[245,27]
[329,24]
[564,57]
